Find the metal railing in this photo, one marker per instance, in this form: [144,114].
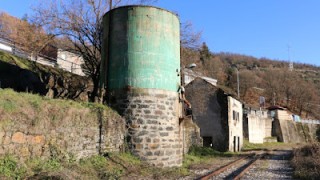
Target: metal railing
[17,49]
[310,121]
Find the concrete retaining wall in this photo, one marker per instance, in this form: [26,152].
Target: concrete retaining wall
[293,132]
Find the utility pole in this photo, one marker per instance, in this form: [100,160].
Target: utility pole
[110,4]
[238,80]
[290,62]
[238,83]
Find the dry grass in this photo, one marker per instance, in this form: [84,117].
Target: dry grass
[306,162]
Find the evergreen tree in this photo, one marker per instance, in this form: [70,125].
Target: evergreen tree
[204,53]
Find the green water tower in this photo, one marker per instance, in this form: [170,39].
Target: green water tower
[141,67]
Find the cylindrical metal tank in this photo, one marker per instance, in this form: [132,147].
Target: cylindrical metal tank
[141,65]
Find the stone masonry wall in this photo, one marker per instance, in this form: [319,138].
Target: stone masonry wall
[190,133]
[153,124]
[66,132]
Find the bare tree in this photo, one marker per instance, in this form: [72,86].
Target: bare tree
[190,38]
[80,22]
[272,85]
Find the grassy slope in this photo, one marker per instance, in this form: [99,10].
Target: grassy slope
[35,67]
[13,104]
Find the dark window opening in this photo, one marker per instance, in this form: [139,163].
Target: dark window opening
[207,141]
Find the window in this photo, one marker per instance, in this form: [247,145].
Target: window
[235,115]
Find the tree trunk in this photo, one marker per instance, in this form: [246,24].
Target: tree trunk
[94,93]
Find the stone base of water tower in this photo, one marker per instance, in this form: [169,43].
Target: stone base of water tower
[152,117]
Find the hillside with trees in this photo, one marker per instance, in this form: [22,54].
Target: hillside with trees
[297,89]
[59,24]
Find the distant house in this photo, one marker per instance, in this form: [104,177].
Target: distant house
[70,61]
[257,124]
[49,56]
[190,75]
[218,115]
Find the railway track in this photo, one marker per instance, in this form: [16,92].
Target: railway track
[236,169]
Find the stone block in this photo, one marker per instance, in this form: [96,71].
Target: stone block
[23,151]
[161,107]
[142,133]
[36,150]
[2,133]
[154,146]
[38,139]
[143,106]
[146,111]
[164,134]
[19,137]
[159,153]
[2,151]
[170,128]
[149,153]
[169,152]
[148,140]
[149,101]
[152,122]
[158,112]
[138,146]
[137,140]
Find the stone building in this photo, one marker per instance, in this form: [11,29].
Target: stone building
[257,124]
[218,114]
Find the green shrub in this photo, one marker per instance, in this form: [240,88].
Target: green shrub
[306,162]
[10,168]
[207,151]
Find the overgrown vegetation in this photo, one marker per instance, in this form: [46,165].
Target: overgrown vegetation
[10,168]
[208,152]
[247,146]
[306,162]
[109,166]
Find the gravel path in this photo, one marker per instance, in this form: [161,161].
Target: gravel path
[230,172]
[274,166]
[201,170]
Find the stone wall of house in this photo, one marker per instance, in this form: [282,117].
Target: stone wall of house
[210,113]
[62,132]
[190,133]
[152,117]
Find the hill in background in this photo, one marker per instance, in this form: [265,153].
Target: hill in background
[298,90]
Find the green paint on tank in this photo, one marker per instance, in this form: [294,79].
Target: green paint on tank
[141,48]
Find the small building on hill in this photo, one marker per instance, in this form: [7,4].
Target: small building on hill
[218,114]
[288,130]
[257,125]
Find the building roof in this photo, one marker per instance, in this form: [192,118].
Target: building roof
[190,75]
[276,107]
[227,91]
